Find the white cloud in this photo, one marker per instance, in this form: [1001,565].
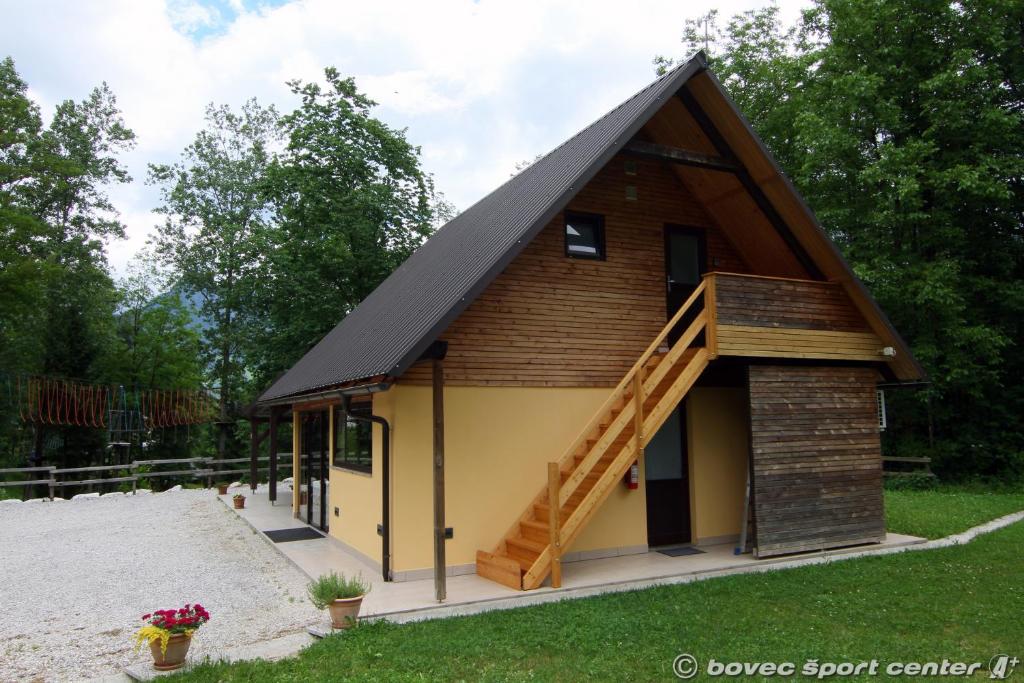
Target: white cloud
[479,85]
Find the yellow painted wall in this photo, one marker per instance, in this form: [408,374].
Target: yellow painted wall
[497,443]
[716,432]
[357,495]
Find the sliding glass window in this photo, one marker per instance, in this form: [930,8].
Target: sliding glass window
[353,440]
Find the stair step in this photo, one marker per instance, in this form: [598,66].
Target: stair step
[535,531]
[503,570]
[526,544]
[540,511]
[523,551]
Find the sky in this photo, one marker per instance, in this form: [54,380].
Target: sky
[479,85]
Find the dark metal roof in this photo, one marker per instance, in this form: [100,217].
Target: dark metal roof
[389,330]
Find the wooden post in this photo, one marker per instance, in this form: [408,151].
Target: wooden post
[440,587]
[711,317]
[555,523]
[296,444]
[254,453]
[638,412]
[272,464]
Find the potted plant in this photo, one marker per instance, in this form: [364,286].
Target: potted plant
[169,633]
[340,595]
[222,489]
[239,501]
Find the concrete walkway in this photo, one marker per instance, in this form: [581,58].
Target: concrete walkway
[403,601]
[413,600]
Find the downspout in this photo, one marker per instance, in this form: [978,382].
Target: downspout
[385,525]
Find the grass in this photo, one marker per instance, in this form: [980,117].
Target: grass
[963,603]
[947,510]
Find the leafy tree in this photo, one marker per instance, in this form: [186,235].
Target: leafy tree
[56,299]
[159,342]
[902,122]
[22,272]
[353,204]
[214,236]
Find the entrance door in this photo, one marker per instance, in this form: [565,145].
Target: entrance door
[312,478]
[667,480]
[684,264]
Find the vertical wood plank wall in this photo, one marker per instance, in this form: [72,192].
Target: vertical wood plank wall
[550,320]
[816,454]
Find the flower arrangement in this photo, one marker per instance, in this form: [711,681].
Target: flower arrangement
[164,623]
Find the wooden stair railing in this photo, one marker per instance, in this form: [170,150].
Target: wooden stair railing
[603,452]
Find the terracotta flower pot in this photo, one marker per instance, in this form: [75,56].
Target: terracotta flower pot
[239,503]
[344,612]
[222,489]
[174,657]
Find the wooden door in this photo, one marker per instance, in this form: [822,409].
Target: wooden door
[666,478]
[685,262]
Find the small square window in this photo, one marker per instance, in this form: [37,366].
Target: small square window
[584,235]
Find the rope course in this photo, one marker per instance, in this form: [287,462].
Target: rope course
[52,401]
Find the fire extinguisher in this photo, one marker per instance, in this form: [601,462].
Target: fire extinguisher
[632,479]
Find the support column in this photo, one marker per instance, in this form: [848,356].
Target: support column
[440,585]
[296,445]
[254,452]
[272,463]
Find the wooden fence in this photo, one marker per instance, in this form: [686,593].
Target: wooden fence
[54,478]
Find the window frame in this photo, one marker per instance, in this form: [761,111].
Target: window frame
[341,422]
[599,233]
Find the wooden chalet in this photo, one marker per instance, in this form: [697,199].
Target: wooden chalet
[642,339]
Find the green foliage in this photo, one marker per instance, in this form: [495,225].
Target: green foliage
[57,300]
[911,481]
[332,586]
[158,342]
[902,123]
[352,204]
[214,237]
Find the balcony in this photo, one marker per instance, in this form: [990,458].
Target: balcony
[768,317]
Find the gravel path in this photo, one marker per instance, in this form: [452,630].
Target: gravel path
[77,575]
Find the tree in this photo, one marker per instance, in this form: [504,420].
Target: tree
[56,298]
[214,236]
[902,122]
[159,342]
[353,204]
[22,273]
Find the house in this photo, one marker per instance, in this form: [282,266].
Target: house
[647,325]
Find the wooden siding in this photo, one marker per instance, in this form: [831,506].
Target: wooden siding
[550,320]
[782,318]
[776,302]
[816,455]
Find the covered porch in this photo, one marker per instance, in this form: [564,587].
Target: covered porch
[469,594]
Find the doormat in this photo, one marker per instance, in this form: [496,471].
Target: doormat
[679,552]
[302,533]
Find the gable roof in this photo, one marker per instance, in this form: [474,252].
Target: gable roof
[395,324]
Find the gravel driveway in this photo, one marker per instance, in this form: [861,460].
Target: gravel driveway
[77,575]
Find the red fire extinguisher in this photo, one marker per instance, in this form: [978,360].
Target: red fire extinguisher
[632,479]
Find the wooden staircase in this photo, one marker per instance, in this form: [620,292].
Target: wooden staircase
[603,452]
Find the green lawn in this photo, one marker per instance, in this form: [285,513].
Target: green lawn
[964,603]
[947,510]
